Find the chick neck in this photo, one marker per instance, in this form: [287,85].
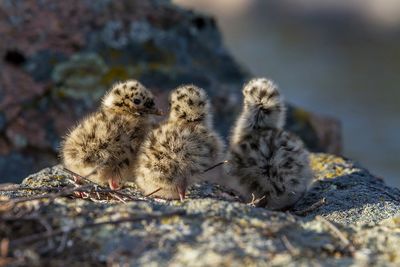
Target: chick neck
[253,120]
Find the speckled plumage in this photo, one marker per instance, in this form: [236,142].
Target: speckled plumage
[108,140]
[177,152]
[264,159]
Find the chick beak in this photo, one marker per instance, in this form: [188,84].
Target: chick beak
[114,183]
[181,191]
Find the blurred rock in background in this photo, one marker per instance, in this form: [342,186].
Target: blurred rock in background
[378,14]
[334,57]
[58,58]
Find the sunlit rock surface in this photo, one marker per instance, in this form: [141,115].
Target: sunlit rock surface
[357,224]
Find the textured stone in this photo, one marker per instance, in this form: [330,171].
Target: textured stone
[352,194]
[358,225]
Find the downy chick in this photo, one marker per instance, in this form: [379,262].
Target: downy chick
[176,153]
[105,144]
[263,159]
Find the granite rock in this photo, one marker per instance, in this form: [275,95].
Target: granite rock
[357,225]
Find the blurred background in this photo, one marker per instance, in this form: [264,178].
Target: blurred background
[334,57]
[338,59]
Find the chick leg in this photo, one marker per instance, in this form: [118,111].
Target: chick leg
[77,179]
[182,193]
[181,188]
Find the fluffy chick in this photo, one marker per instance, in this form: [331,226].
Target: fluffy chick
[264,159]
[177,152]
[105,144]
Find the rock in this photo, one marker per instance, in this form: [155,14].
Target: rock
[352,194]
[358,225]
[54,72]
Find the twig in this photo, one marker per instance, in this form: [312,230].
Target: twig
[92,187]
[62,193]
[292,250]
[338,233]
[117,197]
[98,196]
[51,196]
[67,191]
[255,201]
[44,188]
[215,166]
[124,195]
[313,207]
[85,178]
[73,182]
[43,235]
[152,193]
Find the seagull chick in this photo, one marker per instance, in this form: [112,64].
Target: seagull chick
[104,145]
[176,153]
[266,162]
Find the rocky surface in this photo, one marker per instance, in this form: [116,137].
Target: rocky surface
[357,224]
[57,58]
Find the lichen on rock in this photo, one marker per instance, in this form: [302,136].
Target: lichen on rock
[80,77]
[358,224]
[52,76]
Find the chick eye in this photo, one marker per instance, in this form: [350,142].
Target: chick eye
[136,101]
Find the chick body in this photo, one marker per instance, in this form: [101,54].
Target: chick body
[105,144]
[263,159]
[177,152]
